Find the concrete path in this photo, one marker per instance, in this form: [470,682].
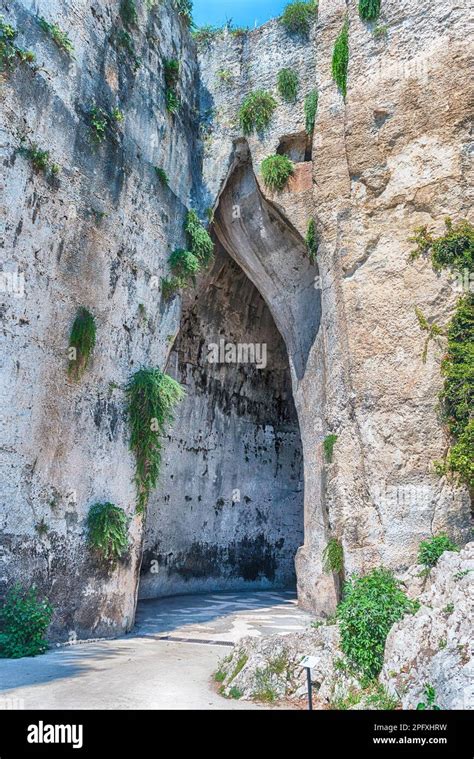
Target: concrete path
[153,667]
[221,617]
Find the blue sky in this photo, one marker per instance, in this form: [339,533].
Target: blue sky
[242,12]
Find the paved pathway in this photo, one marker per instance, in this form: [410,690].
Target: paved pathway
[153,667]
[221,617]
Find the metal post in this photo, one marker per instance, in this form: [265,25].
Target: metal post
[310,689]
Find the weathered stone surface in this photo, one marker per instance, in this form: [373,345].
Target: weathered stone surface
[65,445]
[390,157]
[434,647]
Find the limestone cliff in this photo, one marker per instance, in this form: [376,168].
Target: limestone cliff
[342,333]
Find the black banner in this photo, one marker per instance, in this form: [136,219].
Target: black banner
[123,734]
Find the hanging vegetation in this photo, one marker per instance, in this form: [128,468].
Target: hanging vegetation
[152,396]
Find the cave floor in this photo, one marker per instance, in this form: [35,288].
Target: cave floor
[158,665]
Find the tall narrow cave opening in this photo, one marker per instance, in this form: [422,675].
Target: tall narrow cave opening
[228,514]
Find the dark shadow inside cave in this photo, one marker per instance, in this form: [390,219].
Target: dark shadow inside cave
[228,513]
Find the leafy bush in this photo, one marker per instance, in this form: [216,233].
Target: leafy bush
[312,243]
[459,460]
[172,101]
[107,531]
[24,620]
[297,17]
[457,396]
[380,32]
[58,36]
[340,59]
[128,12]
[430,704]
[199,241]
[10,53]
[256,111]
[371,605]
[333,556]
[162,175]
[369,10]
[184,265]
[276,171]
[310,110]
[328,445]
[379,698]
[40,159]
[171,73]
[104,123]
[170,286]
[185,10]
[432,549]
[152,396]
[171,70]
[454,250]
[81,343]
[288,84]
[235,693]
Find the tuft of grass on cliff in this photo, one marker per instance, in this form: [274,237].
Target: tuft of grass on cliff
[297,17]
[369,10]
[340,59]
[256,111]
[276,171]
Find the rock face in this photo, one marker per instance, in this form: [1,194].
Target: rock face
[434,646]
[100,239]
[392,156]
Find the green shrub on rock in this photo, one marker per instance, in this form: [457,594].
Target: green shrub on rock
[108,531]
[298,16]
[433,548]
[276,171]
[184,265]
[457,396]
[333,556]
[81,343]
[256,111]
[452,250]
[369,10]
[340,59]
[24,620]
[152,396]
[371,605]
[199,240]
[310,110]
[288,85]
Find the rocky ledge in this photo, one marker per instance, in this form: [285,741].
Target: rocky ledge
[420,650]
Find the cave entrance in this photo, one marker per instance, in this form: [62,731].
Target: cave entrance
[228,514]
